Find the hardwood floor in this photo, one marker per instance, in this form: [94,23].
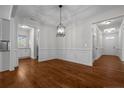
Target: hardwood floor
[108,71]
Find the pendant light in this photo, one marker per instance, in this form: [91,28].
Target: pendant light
[60,27]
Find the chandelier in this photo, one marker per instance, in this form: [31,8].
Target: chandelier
[60,27]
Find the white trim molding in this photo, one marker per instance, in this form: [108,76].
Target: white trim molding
[82,56]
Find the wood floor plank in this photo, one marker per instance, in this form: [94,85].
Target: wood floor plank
[108,71]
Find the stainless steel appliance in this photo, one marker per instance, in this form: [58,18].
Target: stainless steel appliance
[4,45]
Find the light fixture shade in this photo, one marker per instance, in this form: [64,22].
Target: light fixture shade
[60,27]
[60,30]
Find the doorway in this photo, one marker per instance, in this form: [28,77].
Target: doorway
[110,44]
[27,42]
[107,38]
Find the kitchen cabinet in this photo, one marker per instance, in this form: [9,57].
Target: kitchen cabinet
[4,36]
[0,29]
[24,52]
[4,29]
[4,60]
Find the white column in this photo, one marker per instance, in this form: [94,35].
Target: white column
[121,41]
[13,44]
[97,42]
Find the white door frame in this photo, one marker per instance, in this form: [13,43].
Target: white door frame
[121,40]
[95,52]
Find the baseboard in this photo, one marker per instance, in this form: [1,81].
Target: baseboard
[11,69]
[42,60]
[4,69]
[68,60]
[97,58]
[24,57]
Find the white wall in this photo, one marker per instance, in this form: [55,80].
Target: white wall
[110,46]
[36,44]
[47,42]
[31,41]
[74,46]
[5,11]
[122,42]
[79,33]
[4,35]
[13,43]
[97,43]
[46,39]
[77,44]
[100,44]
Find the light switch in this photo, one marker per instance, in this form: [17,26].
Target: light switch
[85,45]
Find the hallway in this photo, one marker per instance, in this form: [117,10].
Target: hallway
[108,71]
[107,62]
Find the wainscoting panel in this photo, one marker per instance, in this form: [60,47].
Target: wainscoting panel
[47,54]
[82,56]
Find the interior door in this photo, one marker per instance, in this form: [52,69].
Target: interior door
[110,44]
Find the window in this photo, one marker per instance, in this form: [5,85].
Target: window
[22,41]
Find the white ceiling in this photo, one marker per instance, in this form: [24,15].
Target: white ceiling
[115,23]
[50,13]
[48,10]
